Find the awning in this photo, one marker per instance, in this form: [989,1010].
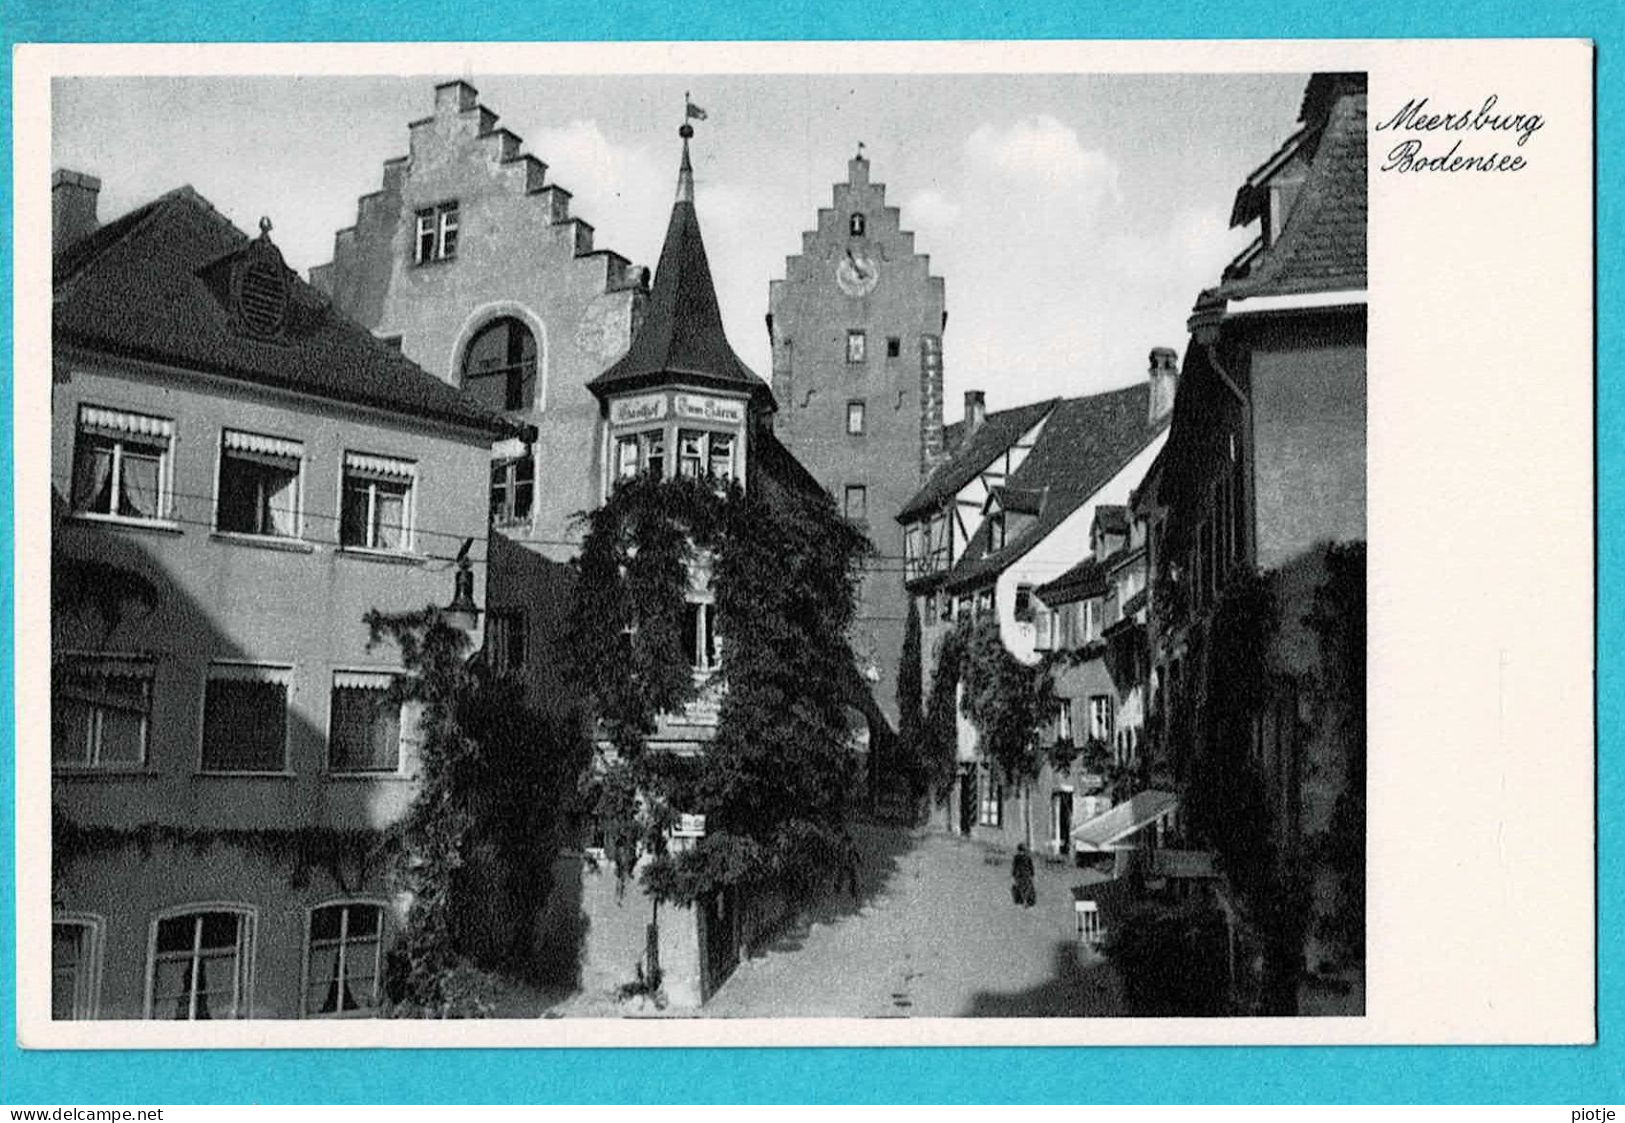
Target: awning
[1106,830]
[379,467]
[256,445]
[122,423]
[363,680]
[249,672]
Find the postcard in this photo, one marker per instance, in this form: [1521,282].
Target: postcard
[805,544]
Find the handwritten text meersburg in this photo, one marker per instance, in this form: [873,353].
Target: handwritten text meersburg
[1410,156]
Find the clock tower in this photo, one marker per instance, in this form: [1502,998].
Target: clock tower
[856,327]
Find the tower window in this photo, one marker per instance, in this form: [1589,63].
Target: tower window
[856,346]
[499,368]
[854,418]
[894,347]
[857,502]
[856,225]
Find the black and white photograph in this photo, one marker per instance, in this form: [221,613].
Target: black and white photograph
[699,546]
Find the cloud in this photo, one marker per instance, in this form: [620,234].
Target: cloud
[1041,152]
[930,210]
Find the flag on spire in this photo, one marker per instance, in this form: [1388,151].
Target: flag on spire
[692,112]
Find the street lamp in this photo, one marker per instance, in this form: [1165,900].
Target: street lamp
[463,613]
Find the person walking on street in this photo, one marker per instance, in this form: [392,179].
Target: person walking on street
[1022,871]
[851,859]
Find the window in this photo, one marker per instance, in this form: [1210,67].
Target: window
[856,346]
[74,950]
[342,960]
[1024,603]
[245,718]
[437,233]
[1091,619]
[1063,719]
[364,731]
[377,512]
[984,602]
[854,418]
[857,502]
[947,607]
[121,464]
[259,485]
[701,453]
[995,532]
[505,641]
[991,813]
[1100,718]
[856,225]
[513,489]
[700,641]
[200,966]
[101,712]
[894,347]
[640,453]
[499,367]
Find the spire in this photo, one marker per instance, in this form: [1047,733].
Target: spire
[685,170]
[681,338]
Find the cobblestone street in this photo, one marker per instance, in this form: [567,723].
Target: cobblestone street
[934,935]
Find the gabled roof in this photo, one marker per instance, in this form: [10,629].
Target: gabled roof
[972,454]
[146,287]
[1322,247]
[1085,442]
[681,337]
[1086,579]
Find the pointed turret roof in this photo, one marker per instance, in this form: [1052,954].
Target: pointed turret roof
[681,338]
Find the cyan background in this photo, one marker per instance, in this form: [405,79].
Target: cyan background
[1565,1075]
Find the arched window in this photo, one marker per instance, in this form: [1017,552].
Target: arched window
[499,367]
[856,225]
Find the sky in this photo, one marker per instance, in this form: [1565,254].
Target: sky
[1074,217]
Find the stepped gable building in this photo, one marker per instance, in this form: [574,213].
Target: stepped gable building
[1263,479]
[1012,509]
[856,327]
[471,259]
[239,474]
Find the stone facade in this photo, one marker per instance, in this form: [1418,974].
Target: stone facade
[858,277]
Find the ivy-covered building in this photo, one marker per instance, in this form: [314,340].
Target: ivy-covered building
[1255,518]
[239,475]
[1011,510]
[713,746]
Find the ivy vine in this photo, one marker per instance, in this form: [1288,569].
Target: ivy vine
[773,784]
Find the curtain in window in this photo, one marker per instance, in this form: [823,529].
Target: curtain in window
[389,519]
[93,477]
[138,485]
[281,504]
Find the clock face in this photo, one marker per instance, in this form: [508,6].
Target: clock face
[857,273]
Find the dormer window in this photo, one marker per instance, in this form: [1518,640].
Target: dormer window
[437,233]
[259,287]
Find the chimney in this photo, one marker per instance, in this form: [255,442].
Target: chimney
[1164,376]
[73,206]
[975,410]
